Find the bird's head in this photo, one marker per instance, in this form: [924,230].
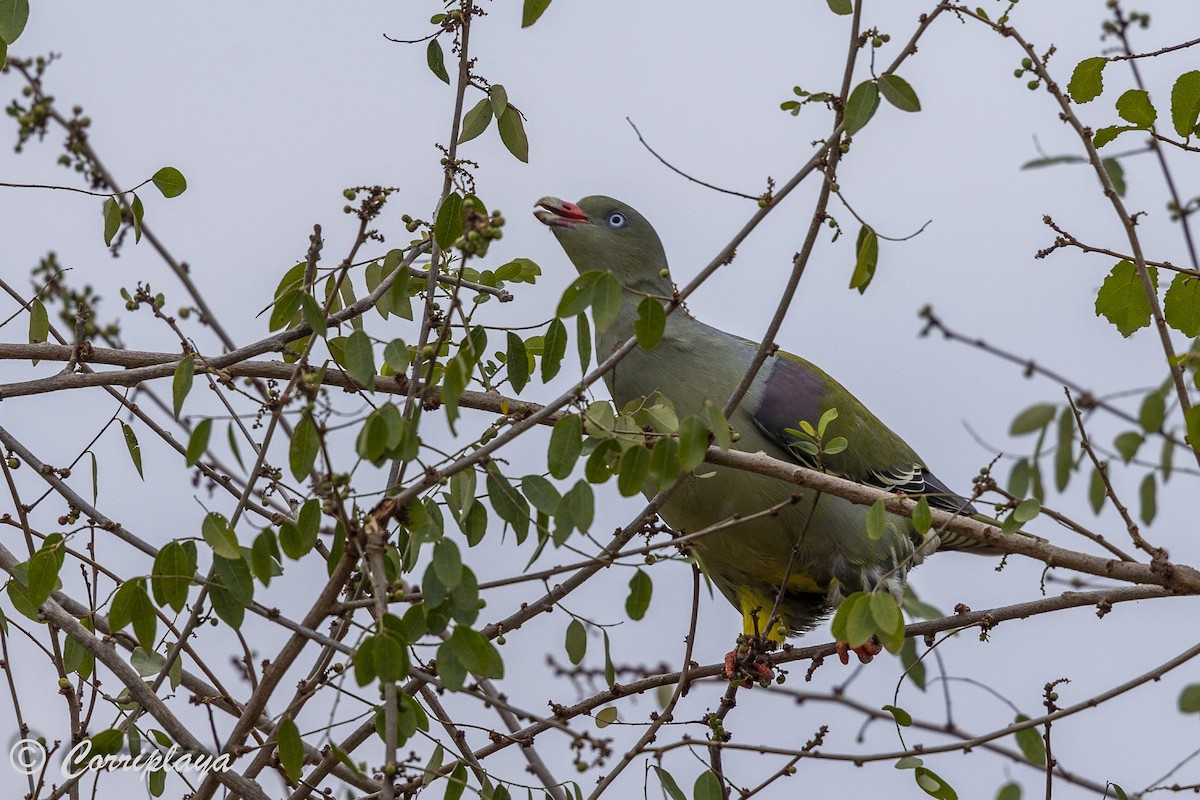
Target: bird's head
[600,233]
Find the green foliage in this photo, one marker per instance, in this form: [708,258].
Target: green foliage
[532,11]
[132,446]
[640,589]
[181,385]
[1087,81]
[861,106]
[436,60]
[291,748]
[1122,299]
[1185,103]
[863,615]
[866,251]
[170,182]
[897,91]
[1030,742]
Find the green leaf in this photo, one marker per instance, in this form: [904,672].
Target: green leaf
[1127,444]
[499,99]
[1050,161]
[1107,134]
[1122,299]
[170,182]
[1032,419]
[708,787]
[933,785]
[1064,450]
[606,716]
[1116,175]
[913,667]
[41,576]
[138,211]
[583,342]
[841,7]
[456,783]
[220,537]
[507,502]
[1192,422]
[198,442]
[1009,791]
[291,748]
[304,448]
[693,443]
[606,300]
[634,470]
[358,358]
[512,133]
[566,444]
[449,223]
[650,324]
[541,493]
[866,258]
[579,295]
[182,384]
[668,782]
[1185,103]
[171,578]
[135,450]
[1087,81]
[1181,305]
[1148,494]
[231,590]
[640,589]
[1134,107]
[532,11]
[1189,699]
[1096,491]
[897,92]
[112,220]
[610,672]
[436,60]
[860,106]
[876,521]
[902,717]
[132,604]
[1152,412]
[310,309]
[39,323]
[922,518]
[476,120]
[13,16]
[517,359]
[1031,743]
[908,762]
[553,349]
[576,641]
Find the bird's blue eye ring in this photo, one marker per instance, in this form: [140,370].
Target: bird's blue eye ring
[616,220]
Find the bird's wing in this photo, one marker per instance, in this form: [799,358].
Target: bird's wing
[794,390]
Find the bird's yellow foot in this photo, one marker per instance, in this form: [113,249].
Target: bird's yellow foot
[865,651]
[747,662]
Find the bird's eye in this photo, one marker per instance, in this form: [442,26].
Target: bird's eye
[617,220]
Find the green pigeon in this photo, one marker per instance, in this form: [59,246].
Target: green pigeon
[805,559]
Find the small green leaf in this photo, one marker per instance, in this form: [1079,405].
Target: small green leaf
[606,300]
[640,589]
[132,604]
[1096,491]
[1134,107]
[1116,175]
[1087,81]
[1181,305]
[606,716]
[137,211]
[1185,103]
[866,258]
[634,470]
[1189,699]
[291,748]
[897,92]
[39,323]
[708,787]
[566,444]
[1122,299]
[170,182]
[172,576]
[553,349]
[1192,422]
[665,778]
[922,518]
[693,443]
[532,11]
[512,133]
[1032,419]
[220,537]
[1148,494]
[913,667]
[42,576]
[112,220]
[908,762]
[1009,791]
[304,448]
[902,717]
[198,442]
[135,450]
[933,785]
[359,359]
[576,641]
[876,520]
[476,120]
[13,16]
[1026,510]
[841,7]
[1127,444]
[861,106]
[499,99]
[650,324]
[449,223]
[1030,742]
[579,295]
[436,60]
[1108,133]
[182,384]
